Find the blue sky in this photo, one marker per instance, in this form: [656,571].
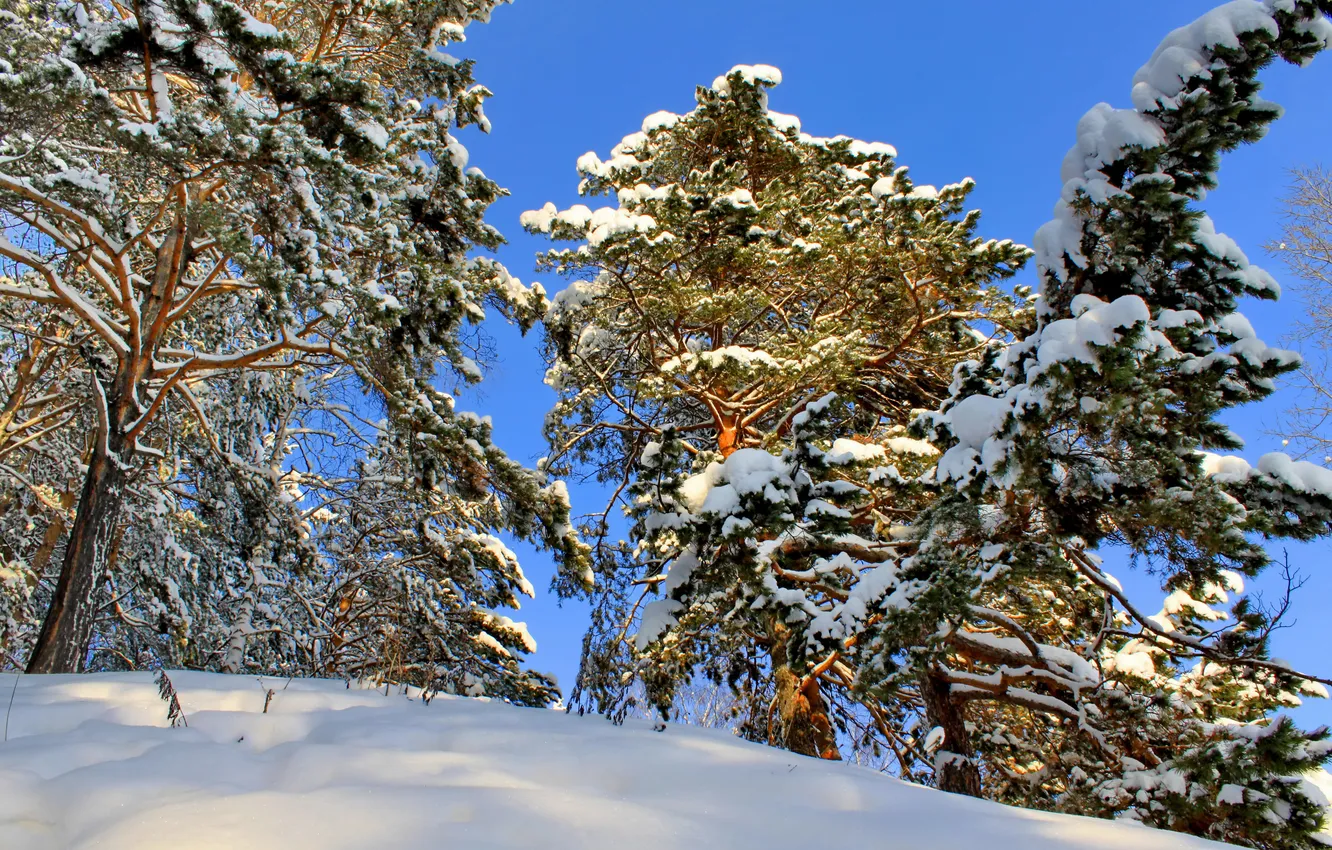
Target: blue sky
[990,90]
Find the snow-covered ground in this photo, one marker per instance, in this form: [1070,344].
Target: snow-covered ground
[90,762]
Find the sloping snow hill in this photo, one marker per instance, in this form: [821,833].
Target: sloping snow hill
[89,761]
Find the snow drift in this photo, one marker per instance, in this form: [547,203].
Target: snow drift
[90,761]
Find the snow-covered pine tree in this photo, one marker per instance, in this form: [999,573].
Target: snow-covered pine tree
[415,574]
[746,271]
[1096,429]
[967,602]
[310,545]
[167,168]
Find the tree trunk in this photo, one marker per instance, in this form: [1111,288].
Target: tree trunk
[728,435]
[67,629]
[955,767]
[803,725]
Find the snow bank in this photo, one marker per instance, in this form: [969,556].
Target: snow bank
[90,762]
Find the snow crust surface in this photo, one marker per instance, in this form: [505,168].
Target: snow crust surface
[90,761]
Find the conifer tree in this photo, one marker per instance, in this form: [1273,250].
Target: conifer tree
[199,189]
[1096,429]
[747,270]
[938,593]
[310,547]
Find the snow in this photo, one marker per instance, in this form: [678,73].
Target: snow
[1299,475]
[1096,324]
[738,198]
[884,186]
[753,471]
[1133,662]
[783,122]
[751,74]
[975,418]
[909,446]
[1184,53]
[851,451]
[934,740]
[1071,661]
[717,358]
[881,150]
[1322,781]
[90,761]
[374,133]
[660,120]
[254,26]
[520,629]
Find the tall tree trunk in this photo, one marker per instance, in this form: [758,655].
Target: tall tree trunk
[955,767]
[67,629]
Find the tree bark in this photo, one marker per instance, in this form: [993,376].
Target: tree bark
[728,435]
[955,767]
[803,725]
[66,632]
[63,641]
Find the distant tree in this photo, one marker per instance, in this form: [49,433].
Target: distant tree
[43,413]
[1305,247]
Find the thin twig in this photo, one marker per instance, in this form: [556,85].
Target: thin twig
[11,703]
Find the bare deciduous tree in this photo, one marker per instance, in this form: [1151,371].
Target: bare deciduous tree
[1305,247]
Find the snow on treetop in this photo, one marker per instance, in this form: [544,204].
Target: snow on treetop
[754,75]
[660,120]
[717,489]
[254,26]
[596,225]
[852,451]
[1095,323]
[1102,135]
[871,149]
[1105,133]
[1185,53]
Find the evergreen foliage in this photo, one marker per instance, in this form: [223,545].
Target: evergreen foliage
[224,228]
[869,577]
[741,277]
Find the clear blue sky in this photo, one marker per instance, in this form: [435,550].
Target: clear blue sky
[990,90]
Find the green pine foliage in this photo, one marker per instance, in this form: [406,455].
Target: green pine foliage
[924,589]
[746,271]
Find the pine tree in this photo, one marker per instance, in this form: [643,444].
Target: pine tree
[937,593]
[748,270]
[196,189]
[315,549]
[1095,430]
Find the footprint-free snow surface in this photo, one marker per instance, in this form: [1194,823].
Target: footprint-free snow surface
[91,762]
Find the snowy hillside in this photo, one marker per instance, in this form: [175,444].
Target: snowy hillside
[89,761]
